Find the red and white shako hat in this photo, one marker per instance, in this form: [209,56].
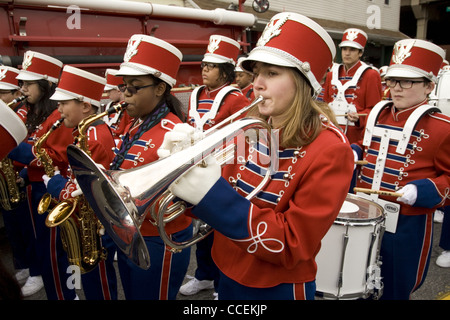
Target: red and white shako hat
[445,66]
[80,85]
[112,81]
[354,38]
[293,40]
[8,79]
[38,66]
[383,70]
[12,130]
[415,58]
[150,55]
[238,67]
[222,49]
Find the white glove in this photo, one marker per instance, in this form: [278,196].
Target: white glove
[355,157]
[77,192]
[409,194]
[195,184]
[181,137]
[46,178]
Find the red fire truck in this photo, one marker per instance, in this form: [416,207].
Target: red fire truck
[93,34]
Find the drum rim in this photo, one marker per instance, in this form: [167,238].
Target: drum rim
[360,221]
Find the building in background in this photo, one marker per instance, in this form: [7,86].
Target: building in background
[380,19]
[385,21]
[428,20]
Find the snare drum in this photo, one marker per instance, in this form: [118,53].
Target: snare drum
[348,261]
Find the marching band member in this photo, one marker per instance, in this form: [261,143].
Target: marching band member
[244,80]
[353,87]
[216,99]
[39,75]
[116,121]
[406,144]
[9,85]
[149,72]
[209,104]
[265,247]
[16,219]
[79,94]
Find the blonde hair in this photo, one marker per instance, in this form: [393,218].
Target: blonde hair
[302,122]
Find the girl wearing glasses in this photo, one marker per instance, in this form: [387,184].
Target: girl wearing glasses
[407,144]
[265,247]
[148,80]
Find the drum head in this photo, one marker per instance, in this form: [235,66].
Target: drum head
[357,209]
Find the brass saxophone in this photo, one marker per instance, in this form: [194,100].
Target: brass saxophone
[79,226]
[10,194]
[47,162]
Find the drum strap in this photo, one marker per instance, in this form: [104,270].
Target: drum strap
[386,135]
[340,105]
[211,114]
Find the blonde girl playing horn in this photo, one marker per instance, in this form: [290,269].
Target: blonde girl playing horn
[265,247]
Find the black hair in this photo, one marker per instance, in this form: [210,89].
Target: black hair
[172,102]
[38,112]
[226,72]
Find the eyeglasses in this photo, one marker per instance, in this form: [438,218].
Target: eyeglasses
[26,84]
[404,84]
[133,89]
[208,65]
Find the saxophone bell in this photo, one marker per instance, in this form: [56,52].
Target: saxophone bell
[61,212]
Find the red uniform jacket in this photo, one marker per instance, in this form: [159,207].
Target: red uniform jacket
[143,152]
[426,162]
[274,237]
[118,127]
[248,92]
[364,96]
[55,146]
[232,103]
[101,145]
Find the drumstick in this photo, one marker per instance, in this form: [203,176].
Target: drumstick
[380,192]
[361,162]
[358,114]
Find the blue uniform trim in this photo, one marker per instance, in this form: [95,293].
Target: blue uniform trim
[22,153]
[224,210]
[389,186]
[358,150]
[427,195]
[56,184]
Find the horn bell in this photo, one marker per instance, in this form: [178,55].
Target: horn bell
[122,199]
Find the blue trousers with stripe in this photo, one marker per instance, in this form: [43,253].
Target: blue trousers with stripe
[163,279]
[406,256]
[50,253]
[19,230]
[444,242]
[231,290]
[101,282]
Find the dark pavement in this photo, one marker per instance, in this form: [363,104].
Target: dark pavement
[436,285]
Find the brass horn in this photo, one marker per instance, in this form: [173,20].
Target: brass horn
[122,199]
